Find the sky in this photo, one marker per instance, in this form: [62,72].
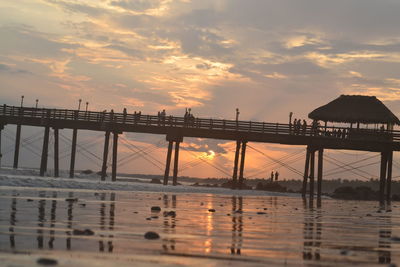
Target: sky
[267,58]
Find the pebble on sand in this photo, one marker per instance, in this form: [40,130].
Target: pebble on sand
[83,232]
[151,235]
[46,261]
[155,209]
[211,210]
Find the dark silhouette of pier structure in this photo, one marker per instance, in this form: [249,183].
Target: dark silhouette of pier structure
[316,139]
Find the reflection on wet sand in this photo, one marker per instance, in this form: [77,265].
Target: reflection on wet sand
[41,218]
[312,232]
[111,221]
[52,219]
[352,232]
[237,225]
[70,207]
[13,215]
[385,235]
[169,223]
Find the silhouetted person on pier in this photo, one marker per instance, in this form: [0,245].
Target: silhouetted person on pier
[294,126]
[272,176]
[298,126]
[276,176]
[304,127]
[112,115]
[124,113]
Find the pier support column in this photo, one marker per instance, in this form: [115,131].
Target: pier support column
[320,169]
[73,152]
[312,173]
[114,157]
[45,151]
[17,143]
[105,155]
[1,155]
[389,176]
[306,169]
[176,161]
[235,165]
[242,160]
[56,152]
[382,181]
[168,163]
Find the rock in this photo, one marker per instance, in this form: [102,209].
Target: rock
[46,261]
[211,210]
[87,172]
[169,213]
[155,209]
[260,212]
[151,235]
[155,181]
[29,200]
[71,199]
[86,232]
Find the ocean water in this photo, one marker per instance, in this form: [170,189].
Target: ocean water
[243,230]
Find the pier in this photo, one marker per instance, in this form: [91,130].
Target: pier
[175,129]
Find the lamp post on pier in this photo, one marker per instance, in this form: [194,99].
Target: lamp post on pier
[79,105]
[22,100]
[87,104]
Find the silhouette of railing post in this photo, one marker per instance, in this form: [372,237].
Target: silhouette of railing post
[17,145]
[242,160]
[168,163]
[389,176]
[114,157]
[56,153]
[73,153]
[176,161]
[45,151]
[235,164]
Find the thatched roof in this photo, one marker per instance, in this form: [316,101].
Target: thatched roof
[353,109]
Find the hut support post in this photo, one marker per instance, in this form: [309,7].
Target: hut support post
[73,153]
[320,169]
[114,157]
[105,155]
[382,181]
[56,152]
[389,176]
[17,143]
[176,161]
[168,163]
[306,168]
[242,160]
[235,165]
[45,151]
[312,168]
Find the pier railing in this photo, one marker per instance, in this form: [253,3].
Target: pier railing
[199,123]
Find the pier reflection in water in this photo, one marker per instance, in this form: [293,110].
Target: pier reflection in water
[261,229]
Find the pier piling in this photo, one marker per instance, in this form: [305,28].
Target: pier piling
[168,163]
[56,152]
[320,170]
[73,152]
[176,161]
[235,164]
[17,145]
[114,157]
[389,176]
[105,155]
[306,170]
[45,151]
[242,160]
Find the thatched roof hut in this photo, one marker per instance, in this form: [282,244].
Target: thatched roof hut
[355,109]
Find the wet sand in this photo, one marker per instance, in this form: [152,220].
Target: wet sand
[243,230]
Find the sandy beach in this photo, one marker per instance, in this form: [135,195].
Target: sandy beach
[196,226]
